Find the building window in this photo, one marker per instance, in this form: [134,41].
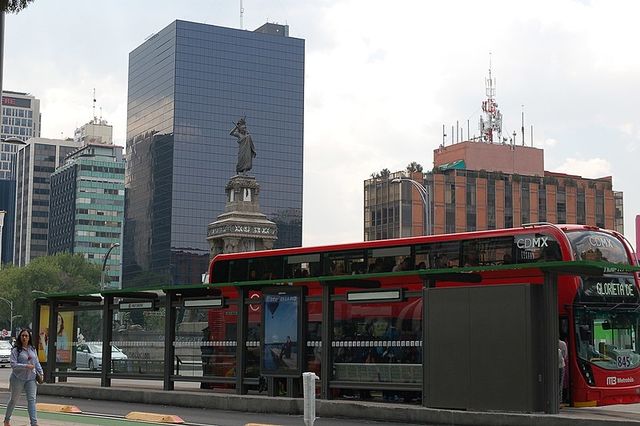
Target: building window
[542,203]
[471,203]
[449,204]
[561,204]
[508,204]
[600,208]
[581,212]
[491,203]
[525,203]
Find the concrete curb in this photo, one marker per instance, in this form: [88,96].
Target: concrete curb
[335,409]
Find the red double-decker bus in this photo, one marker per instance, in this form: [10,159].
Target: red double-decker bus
[599,317]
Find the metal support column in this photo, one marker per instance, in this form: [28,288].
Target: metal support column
[326,363]
[107,337]
[551,374]
[51,345]
[169,338]
[36,327]
[241,341]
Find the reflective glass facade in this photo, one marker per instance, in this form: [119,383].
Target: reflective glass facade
[188,85]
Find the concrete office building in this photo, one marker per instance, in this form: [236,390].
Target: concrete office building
[20,120]
[87,207]
[35,163]
[188,84]
[20,115]
[95,131]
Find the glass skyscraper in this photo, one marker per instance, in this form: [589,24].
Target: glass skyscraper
[188,85]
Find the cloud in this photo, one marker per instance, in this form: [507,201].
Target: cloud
[589,168]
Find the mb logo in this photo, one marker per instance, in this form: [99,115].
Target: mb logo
[612,381]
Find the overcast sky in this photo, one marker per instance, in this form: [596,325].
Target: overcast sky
[381,79]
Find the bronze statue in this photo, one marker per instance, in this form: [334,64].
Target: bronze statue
[246,149]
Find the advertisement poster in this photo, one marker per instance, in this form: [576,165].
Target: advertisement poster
[281,351]
[64,339]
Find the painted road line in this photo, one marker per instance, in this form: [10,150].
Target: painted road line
[57,408]
[154,417]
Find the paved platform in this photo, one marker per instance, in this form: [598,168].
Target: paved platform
[596,416]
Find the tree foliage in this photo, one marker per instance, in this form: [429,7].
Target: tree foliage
[61,273]
[414,167]
[384,173]
[13,6]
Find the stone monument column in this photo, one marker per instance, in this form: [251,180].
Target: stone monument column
[242,227]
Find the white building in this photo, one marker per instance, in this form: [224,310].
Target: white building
[95,131]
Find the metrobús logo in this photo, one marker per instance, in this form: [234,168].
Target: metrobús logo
[612,381]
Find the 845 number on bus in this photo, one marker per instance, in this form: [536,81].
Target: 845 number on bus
[623,361]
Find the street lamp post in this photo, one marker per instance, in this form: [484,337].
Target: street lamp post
[10,303]
[104,264]
[424,195]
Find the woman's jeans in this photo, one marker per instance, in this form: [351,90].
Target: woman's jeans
[16,386]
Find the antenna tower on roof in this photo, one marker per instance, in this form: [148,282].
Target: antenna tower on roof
[241,15]
[491,119]
[94,104]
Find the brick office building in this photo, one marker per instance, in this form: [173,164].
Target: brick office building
[479,186]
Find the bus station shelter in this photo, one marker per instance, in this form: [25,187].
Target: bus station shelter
[468,346]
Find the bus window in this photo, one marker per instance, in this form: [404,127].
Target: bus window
[536,248]
[607,338]
[344,263]
[445,255]
[422,257]
[220,272]
[265,268]
[302,266]
[598,246]
[386,259]
[487,251]
[238,270]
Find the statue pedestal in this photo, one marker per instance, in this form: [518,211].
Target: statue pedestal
[242,227]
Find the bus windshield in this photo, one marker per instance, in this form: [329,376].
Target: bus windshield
[608,338]
[598,246]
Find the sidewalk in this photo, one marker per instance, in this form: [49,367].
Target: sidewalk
[597,416]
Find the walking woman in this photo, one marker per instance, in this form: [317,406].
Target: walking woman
[25,365]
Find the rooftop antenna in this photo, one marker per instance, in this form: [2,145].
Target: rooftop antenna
[101,115]
[94,104]
[491,119]
[444,136]
[241,14]
[522,128]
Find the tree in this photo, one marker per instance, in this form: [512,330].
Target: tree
[384,173]
[414,167]
[61,273]
[13,6]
